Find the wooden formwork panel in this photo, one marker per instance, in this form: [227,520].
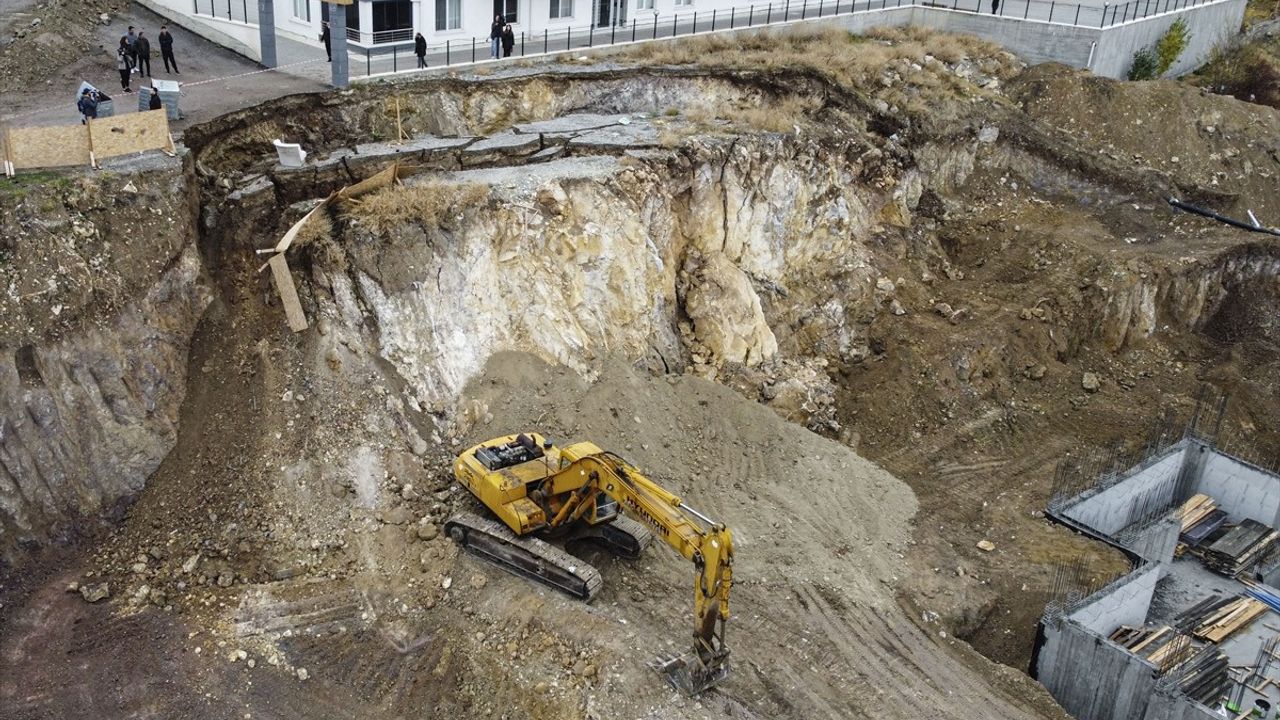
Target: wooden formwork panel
[53,146]
[125,134]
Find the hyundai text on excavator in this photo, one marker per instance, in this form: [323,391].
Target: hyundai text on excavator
[539,490]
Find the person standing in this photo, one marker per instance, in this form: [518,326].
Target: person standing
[142,50]
[132,38]
[324,38]
[420,49]
[153,103]
[88,106]
[166,49]
[122,64]
[495,36]
[508,40]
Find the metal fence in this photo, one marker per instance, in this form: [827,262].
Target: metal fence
[390,55]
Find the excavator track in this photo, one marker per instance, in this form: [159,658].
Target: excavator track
[621,536]
[527,557]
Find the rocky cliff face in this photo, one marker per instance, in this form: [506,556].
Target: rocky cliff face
[102,289]
[748,252]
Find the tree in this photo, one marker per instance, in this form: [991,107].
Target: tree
[1171,44]
[1145,65]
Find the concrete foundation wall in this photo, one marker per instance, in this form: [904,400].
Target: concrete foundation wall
[1124,602]
[1156,541]
[1176,707]
[1210,26]
[1243,490]
[1114,508]
[1116,685]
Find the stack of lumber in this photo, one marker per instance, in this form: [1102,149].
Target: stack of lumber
[1240,548]
[1204,678]
[1189,619]
[1229,618]
[1201,517]
[1162,646]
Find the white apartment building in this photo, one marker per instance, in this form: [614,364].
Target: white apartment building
[372,23]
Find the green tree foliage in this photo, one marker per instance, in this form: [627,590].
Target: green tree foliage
[1145,65]
[1171,44]
[1150,63]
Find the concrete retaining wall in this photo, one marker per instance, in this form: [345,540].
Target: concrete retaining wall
[1034,42]
[1107,51]
[1243,490]
[1114,508]
[1210,25]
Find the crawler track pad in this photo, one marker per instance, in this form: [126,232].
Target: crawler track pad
[527,557]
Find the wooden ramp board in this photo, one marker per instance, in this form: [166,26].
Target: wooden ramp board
[53,146]
[126,134]
[288,293]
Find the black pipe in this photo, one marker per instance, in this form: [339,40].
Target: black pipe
[1222,218]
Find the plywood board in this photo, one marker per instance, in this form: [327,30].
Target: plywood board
[53,146]
[288,293]
[125,134]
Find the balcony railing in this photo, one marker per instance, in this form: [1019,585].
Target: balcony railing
[380,37]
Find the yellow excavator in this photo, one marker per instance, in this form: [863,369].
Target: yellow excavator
[539,490]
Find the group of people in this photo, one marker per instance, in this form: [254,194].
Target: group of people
[134,55]
[501,37]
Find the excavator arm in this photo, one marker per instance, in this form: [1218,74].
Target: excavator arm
[708,544]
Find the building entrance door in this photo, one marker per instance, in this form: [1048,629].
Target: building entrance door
[610,12]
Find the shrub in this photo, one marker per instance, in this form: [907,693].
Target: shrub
[1171,44]
[1145,65]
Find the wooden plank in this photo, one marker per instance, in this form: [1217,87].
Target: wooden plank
[1150,639]
[288,293]
[1243,618]
[293,231]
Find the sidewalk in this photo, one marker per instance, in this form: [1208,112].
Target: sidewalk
[215,80]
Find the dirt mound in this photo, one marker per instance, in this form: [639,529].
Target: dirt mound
[819,533]
[1223,149]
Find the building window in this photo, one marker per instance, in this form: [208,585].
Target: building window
[684,3]
[448,14]
[392,20]
[508,9]
[644,4]
[561,9]
[302,9]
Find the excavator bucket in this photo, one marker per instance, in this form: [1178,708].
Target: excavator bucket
[689,674]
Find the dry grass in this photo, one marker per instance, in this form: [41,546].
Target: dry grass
[847,58]
[912,70]
[317,227]
[429,204]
